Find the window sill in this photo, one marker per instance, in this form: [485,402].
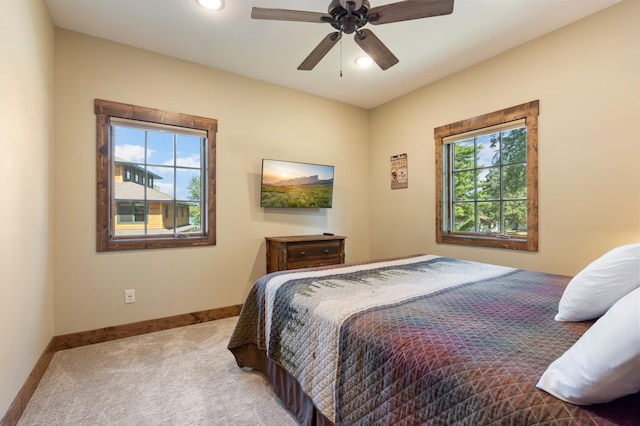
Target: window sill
[503,242]
[156,243]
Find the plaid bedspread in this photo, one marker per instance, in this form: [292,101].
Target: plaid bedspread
[421,340]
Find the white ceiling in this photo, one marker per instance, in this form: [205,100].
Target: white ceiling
[229,40]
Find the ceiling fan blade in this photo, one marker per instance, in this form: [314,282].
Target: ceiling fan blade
[288,15]
[320,51]
[409,9]
[376,49]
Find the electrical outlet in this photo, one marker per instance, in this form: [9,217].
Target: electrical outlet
[129,296]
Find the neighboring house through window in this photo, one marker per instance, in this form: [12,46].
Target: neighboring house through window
[487,180]
[156,178]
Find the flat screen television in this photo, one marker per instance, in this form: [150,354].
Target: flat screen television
[291,184]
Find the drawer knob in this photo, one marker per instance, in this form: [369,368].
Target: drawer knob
[302,253]
[326,250]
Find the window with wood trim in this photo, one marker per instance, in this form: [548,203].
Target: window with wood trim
[155,178]
[487,180]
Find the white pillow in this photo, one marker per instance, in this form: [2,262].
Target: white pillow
[598,286]
[604,364]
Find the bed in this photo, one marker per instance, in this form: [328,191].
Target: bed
[416,340]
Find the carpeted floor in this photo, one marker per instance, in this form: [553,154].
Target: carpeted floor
[182,376]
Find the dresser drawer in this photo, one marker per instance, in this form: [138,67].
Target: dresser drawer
[304,251]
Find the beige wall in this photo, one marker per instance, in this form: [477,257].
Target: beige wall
[586,78]
[256,120]
[26,122]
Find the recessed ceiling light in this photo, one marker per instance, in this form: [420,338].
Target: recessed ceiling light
[211,4]
[363,61]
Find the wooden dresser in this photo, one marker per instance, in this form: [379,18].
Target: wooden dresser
[304,251]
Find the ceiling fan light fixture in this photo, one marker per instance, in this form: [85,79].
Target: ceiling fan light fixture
[349,16]
[363,61]
[211,4]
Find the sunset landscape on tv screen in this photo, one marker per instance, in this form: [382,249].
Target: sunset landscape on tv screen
[296,185]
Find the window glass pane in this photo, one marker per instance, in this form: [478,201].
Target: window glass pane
[195,216]
[164,217]
[489,184]
[463,217]
[463,185]
[514,146]
[193,186]
[488,150]
[130,217]
[463,155]
[138,212]
[515,217]
[160,148]
[155,220]
[183,220]
[514,181]
[188,184]
[162,183]
[489,217]
[188,149]
[129,144]
[125,212]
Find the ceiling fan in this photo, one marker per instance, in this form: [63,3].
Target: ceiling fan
[349,16]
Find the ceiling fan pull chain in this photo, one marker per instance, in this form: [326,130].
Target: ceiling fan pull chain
[341,57]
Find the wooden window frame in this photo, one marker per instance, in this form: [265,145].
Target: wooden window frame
[104,111]
[527,111]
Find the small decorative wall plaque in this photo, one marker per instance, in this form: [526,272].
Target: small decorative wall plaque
[399,171]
